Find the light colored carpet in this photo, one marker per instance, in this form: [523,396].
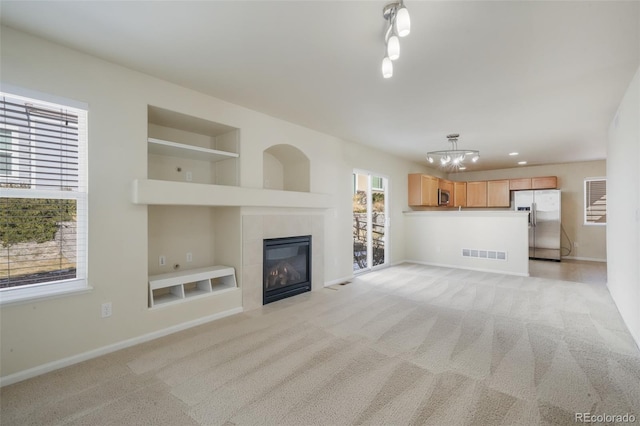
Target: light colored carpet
[407,345]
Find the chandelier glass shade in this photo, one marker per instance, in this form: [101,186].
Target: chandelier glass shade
[453,158]
[403,22]
[393,47]
[399,25]
[387,68]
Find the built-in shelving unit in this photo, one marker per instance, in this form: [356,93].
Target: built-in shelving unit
[187,153]
[174,149]
[174,287]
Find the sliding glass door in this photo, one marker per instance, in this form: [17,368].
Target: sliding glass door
[370,221]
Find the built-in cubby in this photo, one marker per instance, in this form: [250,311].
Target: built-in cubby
[179,286]
[193,251]
[286,168]
[183,148]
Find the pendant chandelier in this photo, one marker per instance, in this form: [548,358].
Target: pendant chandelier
[399,26]
[453,158]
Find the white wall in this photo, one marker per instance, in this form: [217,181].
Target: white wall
[623,208]
[438,238]
[591,239]
[48,331]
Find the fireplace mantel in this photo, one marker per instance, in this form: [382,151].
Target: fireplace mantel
[161,192]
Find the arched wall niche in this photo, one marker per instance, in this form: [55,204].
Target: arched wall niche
[285,168]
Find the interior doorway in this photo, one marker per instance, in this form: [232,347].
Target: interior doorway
[370,221]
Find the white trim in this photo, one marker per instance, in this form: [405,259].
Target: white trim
[338,281]
[46,290]
[42,193]
[65,362]
[45,98]
[444,265]
[590,259]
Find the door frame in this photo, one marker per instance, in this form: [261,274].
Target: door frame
[387,222]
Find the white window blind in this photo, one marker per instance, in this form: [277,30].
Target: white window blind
[43,197]
[595,201]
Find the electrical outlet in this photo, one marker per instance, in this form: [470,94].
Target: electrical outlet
[163,260]
[189,257]
[188,176]
[106,310]
[576,244]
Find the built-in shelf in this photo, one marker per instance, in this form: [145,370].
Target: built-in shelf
[174,287]
[160,192]
[174,149]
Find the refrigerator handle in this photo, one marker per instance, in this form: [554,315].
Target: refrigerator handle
[533,214]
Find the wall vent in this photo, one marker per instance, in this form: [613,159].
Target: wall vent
[485,254]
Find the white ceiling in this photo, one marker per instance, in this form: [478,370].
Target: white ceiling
[542,78]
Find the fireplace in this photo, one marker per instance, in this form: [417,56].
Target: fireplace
[286,267]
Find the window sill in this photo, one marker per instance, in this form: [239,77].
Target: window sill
[16,296]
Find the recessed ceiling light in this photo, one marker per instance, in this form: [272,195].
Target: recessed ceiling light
[462,168]
[513,153]
[522,162]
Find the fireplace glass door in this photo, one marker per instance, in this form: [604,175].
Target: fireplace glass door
[287,267]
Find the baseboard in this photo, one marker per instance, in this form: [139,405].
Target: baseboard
[338,281]
[65,362]
[443,265]
[589,259]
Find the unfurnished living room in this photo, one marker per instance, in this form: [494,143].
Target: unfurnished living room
[319,212]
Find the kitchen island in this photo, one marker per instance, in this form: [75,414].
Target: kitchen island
[491,241]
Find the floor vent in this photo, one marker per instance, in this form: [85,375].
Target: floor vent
[336,286]
[485,254]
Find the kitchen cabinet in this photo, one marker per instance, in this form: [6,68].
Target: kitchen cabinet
[519,184]
[459,194]
[477,194]
[423,190]
[498,193]
[546,182]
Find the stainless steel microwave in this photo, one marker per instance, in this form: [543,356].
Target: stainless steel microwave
[443,197]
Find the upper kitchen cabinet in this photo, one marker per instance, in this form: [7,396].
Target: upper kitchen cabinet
[520,184]
[459,194]
[498,193]
[477,194]
[546,182]
[423,190]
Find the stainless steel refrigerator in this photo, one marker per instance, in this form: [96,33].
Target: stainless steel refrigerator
[544,222]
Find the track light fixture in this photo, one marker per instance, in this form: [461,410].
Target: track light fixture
[453,158]
[399,26]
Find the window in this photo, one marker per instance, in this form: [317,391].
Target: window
[8,154]
[595,201]
[377,183]
[43,198]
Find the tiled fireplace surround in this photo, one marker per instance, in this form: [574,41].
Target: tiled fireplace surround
[259,226]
